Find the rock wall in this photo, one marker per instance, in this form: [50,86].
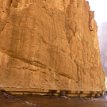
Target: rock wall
[49,44]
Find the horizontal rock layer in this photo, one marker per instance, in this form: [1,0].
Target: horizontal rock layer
[49,44]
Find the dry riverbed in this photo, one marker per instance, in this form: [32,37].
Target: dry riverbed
[7,100]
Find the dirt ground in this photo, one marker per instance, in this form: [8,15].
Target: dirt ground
[7,100]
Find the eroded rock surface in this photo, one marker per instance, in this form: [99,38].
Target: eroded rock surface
[49,44]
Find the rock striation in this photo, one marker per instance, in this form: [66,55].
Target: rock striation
[49,44]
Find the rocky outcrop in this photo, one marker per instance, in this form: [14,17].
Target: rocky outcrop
[49,44]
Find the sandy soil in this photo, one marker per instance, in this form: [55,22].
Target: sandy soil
[7,100]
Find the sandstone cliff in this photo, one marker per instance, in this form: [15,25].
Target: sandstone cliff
[49,44]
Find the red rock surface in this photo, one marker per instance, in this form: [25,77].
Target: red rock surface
[49,44]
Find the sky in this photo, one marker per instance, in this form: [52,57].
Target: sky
[100,8]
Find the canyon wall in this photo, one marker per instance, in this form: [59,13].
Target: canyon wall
[49,44]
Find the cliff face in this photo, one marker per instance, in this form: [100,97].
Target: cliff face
[103,44]
[49,44]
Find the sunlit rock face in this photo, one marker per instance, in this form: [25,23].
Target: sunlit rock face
[49,44]
[103,44]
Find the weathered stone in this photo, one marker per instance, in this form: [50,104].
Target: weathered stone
[48,44]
